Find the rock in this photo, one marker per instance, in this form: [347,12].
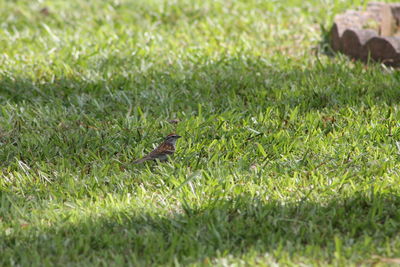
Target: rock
[369,34]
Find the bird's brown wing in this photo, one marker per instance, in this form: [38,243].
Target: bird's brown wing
[164,149]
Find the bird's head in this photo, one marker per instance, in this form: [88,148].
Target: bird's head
[171,138]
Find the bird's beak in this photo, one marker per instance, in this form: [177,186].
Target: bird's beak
[178,136]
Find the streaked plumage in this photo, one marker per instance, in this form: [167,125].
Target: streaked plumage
[163,150]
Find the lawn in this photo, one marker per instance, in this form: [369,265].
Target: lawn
[289,155]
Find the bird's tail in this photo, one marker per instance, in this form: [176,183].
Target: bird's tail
[139,161]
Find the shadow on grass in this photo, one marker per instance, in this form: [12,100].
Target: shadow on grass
[218,229]
[249,84]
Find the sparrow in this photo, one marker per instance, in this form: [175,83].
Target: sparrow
[162,152]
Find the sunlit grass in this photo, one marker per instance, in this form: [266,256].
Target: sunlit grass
[288,156]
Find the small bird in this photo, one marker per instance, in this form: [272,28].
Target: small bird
[162,152]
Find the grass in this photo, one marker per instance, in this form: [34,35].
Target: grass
[288,156]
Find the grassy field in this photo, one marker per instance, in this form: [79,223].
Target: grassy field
[288,156]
